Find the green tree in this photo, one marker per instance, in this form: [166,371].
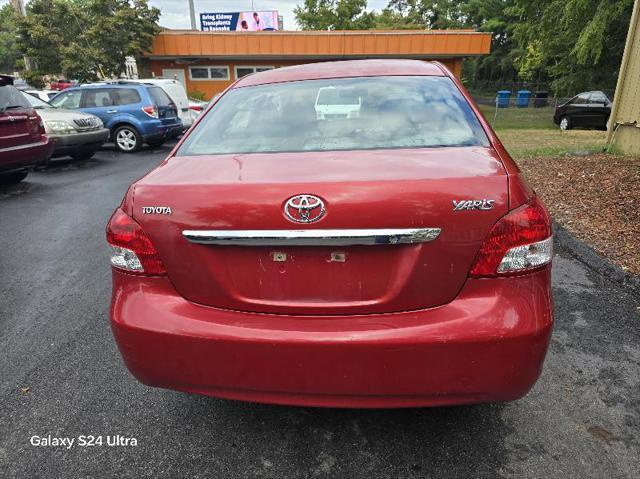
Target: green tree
[433,14]
[574,44]
[577,44]
[495,16]
[86,39]
[500,18]
[334,15]
[9,51]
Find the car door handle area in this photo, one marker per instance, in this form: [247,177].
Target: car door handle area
[312,237]
[112,111]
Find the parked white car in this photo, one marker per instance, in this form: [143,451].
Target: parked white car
[177,93]
[196,107]
[44,95]
[333,104]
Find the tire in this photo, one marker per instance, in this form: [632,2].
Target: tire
[565,123]
[155,143]
[85,155]
[43,165]
[127,139]
[13,177]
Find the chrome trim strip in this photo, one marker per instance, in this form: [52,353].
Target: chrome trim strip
[313,237]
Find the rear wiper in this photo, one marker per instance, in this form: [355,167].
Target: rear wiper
[9,107]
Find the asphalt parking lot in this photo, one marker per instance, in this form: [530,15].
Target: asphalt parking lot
[61,374]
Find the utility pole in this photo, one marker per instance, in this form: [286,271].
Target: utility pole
[192,12]
[18,6]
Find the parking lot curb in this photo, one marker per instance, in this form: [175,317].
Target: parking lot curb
[594,260]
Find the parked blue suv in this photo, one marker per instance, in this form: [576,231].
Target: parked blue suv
[135,113]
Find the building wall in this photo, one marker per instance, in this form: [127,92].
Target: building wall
[211,87]
[624,125]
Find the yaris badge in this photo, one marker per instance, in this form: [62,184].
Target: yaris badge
[304,209]
[462,205]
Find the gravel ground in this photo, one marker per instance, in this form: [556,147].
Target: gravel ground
[61,374]
[596,197]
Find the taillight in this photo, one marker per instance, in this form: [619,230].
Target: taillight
[36,126]
[195,108]
[519,242]
[131,248]
[152,111]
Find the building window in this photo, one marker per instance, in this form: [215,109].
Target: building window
[244,71]
[209,73]
[219,73]
[199,73]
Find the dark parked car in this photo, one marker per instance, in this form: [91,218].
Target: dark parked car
[590,109]
[23,142]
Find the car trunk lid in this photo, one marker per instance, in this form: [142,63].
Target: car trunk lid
[372,192]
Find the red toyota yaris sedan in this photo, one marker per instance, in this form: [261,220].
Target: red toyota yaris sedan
[347,234]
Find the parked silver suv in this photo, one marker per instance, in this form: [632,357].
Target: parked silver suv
[74,133]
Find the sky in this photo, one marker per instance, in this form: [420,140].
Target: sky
[175,13]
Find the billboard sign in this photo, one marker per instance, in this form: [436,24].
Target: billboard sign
[253,21]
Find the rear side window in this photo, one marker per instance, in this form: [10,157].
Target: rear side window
[599,97]
[127,96]
[338,114]
[10,97]
[67,99]
[96,98]
[581,99]
[159,96]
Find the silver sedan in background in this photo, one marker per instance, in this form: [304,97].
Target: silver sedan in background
[75,133]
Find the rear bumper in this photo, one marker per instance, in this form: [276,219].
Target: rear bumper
[162,131]
[186,119]
[24,156]
[487,345]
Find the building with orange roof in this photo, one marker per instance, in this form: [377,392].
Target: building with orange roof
[208,62]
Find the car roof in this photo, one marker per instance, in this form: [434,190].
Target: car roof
[342,69]
[154,81]
[84,86]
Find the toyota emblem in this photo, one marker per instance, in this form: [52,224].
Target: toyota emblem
[304,209]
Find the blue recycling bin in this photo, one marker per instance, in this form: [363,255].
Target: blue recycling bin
[502,100]
[522,99]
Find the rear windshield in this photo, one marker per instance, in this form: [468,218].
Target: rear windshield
[337,114]
[10,97]
[159,97]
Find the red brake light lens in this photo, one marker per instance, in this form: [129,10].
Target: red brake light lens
[131,248]
[519,242]
[152,111]
[195,108]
